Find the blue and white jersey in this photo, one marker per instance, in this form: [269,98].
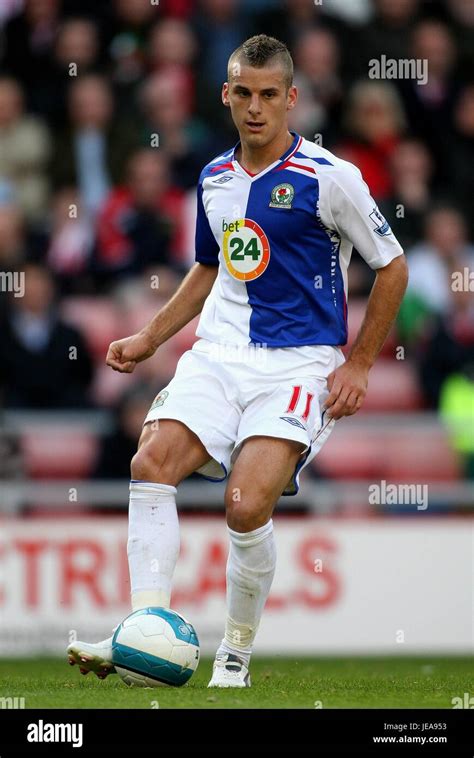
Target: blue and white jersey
[283,241]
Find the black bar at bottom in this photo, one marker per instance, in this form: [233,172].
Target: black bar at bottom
[228,732]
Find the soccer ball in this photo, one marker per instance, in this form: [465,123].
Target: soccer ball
[153,647]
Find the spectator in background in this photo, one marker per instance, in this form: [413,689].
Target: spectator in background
[92,151]
[172,49]
[444,251]
[462,22]
[167,107]
[429,106]
[128,31]
[44,362]
[387,33]
[77,42]
[462,154]
[179,8]
[411,169]
[457,411]
[448,349]
[76,53]
[97,8]
[172,46]
[24,152]
[13,245]
[9,8]
[319,84]
[289,19]
[374,124]
[141,223]
[118,448]
[70,240]
[220,26]
[357,11]
[28,43]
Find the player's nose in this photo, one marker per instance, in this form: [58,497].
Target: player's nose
[254,105]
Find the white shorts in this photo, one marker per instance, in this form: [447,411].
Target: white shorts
[227,393]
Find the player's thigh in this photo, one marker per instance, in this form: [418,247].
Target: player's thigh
[168,451]
[260,473]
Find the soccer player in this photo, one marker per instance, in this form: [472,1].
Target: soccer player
[258,394]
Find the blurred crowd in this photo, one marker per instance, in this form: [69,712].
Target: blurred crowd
[110,108]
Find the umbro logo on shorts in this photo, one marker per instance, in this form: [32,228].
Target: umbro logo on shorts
[293,421]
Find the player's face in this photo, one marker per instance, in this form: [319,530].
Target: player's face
[259,101]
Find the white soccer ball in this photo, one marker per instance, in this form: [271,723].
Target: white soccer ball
[155,646]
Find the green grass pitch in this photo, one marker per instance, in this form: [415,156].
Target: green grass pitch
[409,682]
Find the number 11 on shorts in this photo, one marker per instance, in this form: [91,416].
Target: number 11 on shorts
[295,396]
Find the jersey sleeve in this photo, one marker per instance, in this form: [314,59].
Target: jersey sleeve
[349,208]
[207,248]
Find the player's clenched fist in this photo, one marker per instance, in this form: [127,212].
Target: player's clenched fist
[347,388]
[123,355]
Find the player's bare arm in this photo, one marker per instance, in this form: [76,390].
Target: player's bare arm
[348,383]
[123,355]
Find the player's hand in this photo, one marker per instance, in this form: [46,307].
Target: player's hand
[123,355]
[347,388]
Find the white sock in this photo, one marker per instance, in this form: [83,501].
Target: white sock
[250,570]
[153,543]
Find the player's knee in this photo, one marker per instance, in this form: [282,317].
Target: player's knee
[244,513]
[151,463]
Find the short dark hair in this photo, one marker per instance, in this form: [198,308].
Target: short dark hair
[259,51]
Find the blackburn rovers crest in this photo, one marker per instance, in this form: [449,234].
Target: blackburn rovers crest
[282,196]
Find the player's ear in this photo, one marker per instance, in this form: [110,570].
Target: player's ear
[292,98]
[225,94]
